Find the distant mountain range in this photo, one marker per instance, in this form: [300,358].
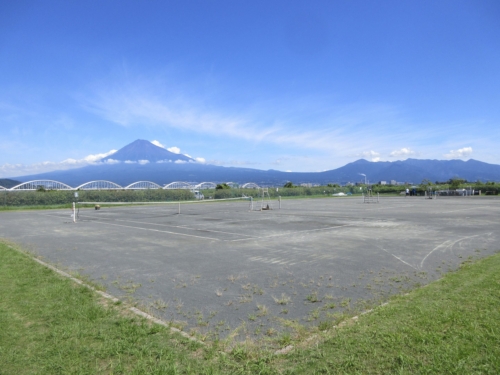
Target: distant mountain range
[7,183]
[143,161]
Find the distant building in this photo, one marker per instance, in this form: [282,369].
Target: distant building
[382,183]
[394,182]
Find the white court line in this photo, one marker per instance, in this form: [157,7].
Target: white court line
[180,226]
[62,216]
[183,227]
[217,239]
[448,244]
[225,221]
[289,233]
[463,209]
[398,258]
[385,207]
[157,230]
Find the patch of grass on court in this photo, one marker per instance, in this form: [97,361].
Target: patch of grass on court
[49,325]
[452,326]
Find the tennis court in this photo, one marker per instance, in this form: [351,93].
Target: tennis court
[218,266]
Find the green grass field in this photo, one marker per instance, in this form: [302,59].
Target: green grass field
[50,325]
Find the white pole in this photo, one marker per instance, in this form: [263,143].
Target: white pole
[74,213]
[179,207]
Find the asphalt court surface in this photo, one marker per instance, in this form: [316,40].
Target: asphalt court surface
[218,265]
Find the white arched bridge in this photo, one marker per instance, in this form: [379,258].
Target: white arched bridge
[41,185]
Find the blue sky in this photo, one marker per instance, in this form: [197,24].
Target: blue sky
[287,85]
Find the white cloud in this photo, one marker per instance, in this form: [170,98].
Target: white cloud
[175,150]
[157,143]
[200,160]
[13,170]
[130,162]
[372,155]
[142,162]
[180,162]
[460,153]
[95,157]
[402,152]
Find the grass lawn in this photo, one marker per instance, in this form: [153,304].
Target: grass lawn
[50,325]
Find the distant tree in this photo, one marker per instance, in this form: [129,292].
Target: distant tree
[426,182]
[222,186]
[455,183]
[288,185]
[41,188]
[333,185]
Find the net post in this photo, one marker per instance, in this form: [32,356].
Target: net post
[74,212]
[179,212]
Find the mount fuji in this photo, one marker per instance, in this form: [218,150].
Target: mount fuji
[141,150]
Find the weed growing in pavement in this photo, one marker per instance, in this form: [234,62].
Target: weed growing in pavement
[262,310]
[313,297]
[283,300]
[159,304]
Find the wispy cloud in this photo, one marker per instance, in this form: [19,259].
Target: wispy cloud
[341,129]
[334,130]
[402,153]
[12,170]
[459,154]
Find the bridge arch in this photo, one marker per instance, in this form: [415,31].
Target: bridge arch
[205,185]
[178,185]
[99,185]
[46,184]
[143,185]
[250,185]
